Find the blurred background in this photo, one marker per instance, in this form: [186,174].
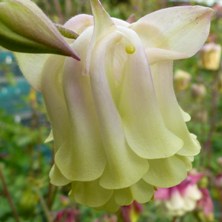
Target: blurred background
[25,160]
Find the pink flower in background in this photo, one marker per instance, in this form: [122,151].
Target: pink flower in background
[218,180]
[206,204]
[182,198]
[67,215]
[132,212]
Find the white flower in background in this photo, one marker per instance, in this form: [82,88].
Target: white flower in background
[181,80]
[211,56]
[182,198]
[179,204]
[117,127]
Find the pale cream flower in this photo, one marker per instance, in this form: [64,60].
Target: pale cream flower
[181,80]
[211,56]
[117,127]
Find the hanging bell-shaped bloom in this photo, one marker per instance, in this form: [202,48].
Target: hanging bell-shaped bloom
[117,127]
[183,198]
[181,80]
[210,56]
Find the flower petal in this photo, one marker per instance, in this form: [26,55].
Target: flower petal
[54,98]
[162,73]
[176,202]
[111,206]
[143,125]
[49,138]
[187,161]
[141,192]
[78,152]
[162,194]
[120,22]
[79,23]
[166,172]
[174,29]
[90,193]
[102,20]
[31,66]
[186,116]
[120,158]
[103,24]
[80,155]
[56,178]
[156,55]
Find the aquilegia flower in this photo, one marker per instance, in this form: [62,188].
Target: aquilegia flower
[186,197]
[182,198]
[117,127]
[131,213]
[182,80]
[210,56]
[205,205]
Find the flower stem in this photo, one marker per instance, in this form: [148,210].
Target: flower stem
[8,196]
[175,219]
[58,9]
[52,190]
[213,119]
[44,206]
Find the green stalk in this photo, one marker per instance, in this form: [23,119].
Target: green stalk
[8,196]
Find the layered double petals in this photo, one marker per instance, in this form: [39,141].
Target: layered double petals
[117,127]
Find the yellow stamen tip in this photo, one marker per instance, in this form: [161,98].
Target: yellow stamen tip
[130,49]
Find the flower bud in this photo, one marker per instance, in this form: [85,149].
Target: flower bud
[210,56]
[181,80]
[198,91]
[25,28]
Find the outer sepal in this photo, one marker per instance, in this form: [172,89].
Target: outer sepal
[25,28]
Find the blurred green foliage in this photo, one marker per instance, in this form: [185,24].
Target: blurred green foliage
[62,10]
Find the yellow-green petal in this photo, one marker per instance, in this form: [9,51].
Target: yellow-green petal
[56,178]
[81,157]
[111,206]
[102,20]
[31,66]
[90,193]
[162,73]
[144,127]
[181,30]
[120,158]
[166,172]
[79,23]
[78,147]
[142,192]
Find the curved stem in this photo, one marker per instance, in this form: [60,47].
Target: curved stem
[44,206]
[8,196]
